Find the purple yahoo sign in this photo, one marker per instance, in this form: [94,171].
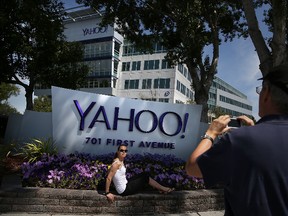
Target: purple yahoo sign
[133,119]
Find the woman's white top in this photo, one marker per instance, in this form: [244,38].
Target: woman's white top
[120,180]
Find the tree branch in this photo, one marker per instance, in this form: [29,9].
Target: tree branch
[279,37]
[262,50]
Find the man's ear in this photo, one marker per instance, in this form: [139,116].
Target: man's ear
[266,94]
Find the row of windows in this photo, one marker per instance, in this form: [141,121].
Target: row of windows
[161,83]
[97,83]
[148,65]
[183,70]
[184,90]
[99,49]
[179,102]
[129,49]
[232,112]
[234,102]
[212,96]
[99,67]
[164,100]
[220,84]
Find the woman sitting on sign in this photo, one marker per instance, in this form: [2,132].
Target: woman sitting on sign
[117,174]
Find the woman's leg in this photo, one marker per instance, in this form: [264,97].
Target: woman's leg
[136,184]
[159,187]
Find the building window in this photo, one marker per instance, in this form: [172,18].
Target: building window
[126,66]
[97,49]
[235,103]
[136,65]
[131,84]
[129,49]
[183,89]
[146,83]
[179,102]
[180,68]
[165,64]
[99,68]
[149,99]
[158,48]
[165,100]
[93,83]
[178,85]
[151,64]
[162,83]
[185,72]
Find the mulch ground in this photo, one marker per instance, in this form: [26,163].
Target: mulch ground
[10,165]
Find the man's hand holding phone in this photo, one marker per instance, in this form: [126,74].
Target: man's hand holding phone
[236,122]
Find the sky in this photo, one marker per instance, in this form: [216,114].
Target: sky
[238,66]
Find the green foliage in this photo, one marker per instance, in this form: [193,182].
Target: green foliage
[67,71]
[218,111]
[10,149]
[34,150]
[184,28]
[8,90]
[43,104]
[6,109]
[33,46]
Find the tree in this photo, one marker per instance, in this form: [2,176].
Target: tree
[32,46]
[43,104]
[185,28]
[217,111]
[273,51]
[6,91]
[65,72]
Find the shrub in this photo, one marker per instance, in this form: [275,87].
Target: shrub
[7,150]
[34,150]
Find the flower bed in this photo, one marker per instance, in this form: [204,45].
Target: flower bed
[85,171]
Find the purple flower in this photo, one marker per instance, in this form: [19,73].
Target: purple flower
[84,171]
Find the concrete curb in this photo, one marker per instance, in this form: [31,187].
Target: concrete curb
[15,199]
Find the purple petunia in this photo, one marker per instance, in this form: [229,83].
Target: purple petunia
[85,171]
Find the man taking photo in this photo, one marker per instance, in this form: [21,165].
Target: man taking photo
[251,162]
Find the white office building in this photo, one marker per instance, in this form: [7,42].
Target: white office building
[117,68]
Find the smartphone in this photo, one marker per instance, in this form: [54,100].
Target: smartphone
[234,123]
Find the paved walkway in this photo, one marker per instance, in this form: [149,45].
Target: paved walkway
[211,213]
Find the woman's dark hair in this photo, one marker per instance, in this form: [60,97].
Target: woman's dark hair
[115,155]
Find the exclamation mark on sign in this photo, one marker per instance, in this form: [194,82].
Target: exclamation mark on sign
[185,120]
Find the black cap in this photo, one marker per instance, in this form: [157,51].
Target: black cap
[278,76]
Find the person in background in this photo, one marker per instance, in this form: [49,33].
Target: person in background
[117,174]
[251,161]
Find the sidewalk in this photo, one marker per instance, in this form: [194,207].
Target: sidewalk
[211,213]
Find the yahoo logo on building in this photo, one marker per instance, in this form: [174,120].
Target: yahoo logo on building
[133,119]
[95,30]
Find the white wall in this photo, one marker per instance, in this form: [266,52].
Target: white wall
[23,128]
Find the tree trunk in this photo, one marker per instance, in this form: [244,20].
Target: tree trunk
[201,97]
[262,50]
[201,88]
[278,44]
[29,97]
[278,54]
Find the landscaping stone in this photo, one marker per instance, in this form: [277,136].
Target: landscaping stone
[66,201]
